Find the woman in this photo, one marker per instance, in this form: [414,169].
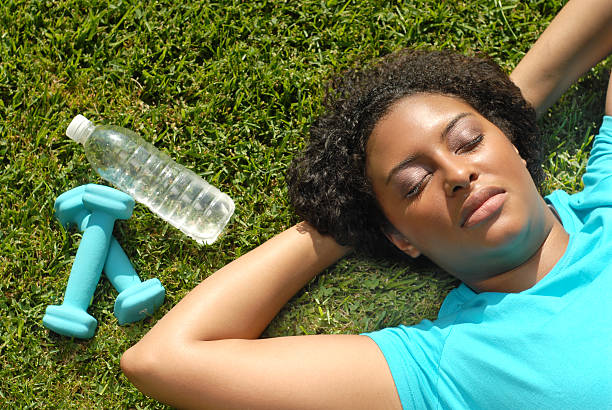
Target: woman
[205,351]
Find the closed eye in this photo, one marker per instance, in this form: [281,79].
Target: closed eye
[471,145]
[418,188]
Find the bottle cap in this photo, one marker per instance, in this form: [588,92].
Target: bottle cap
[78,129]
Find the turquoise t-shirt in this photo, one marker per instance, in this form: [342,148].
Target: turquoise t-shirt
[548,347]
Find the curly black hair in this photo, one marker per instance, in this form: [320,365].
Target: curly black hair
[328,186]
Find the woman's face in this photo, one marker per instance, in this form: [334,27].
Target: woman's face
[454,188]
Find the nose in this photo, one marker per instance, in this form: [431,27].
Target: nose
[458,173]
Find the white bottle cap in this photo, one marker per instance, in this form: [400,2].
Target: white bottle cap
[78,129]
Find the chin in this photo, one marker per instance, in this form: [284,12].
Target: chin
[513,238]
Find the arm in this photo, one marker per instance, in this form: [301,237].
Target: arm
[609,97]
[203,353]
[577,39]
[243,297]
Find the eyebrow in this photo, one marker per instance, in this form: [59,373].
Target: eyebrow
[406,162]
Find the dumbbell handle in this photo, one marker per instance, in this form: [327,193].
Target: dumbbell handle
[89,260]
[118,268]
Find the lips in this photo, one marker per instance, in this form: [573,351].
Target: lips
[481,204]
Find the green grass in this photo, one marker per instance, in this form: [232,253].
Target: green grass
[227,89]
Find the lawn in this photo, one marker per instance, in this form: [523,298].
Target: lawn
[227,89]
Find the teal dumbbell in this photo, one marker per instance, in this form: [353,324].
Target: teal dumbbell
[136,299]
[105,204]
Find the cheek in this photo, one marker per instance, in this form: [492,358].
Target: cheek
[501,158]
[422,221]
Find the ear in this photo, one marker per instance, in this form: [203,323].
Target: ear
[401,242]
[517,151]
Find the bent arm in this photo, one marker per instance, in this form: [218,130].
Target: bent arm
[242,298]
[578,38]
[204,352]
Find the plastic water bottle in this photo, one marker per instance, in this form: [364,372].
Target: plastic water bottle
[175,193]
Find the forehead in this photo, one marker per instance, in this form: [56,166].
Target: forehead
[417,115]
[412,121]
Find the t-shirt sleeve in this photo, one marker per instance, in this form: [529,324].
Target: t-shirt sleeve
[575,210]
[597,179]
[413,355]
[599,166]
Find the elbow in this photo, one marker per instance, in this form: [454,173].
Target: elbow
[132,364]
[141,365]
[156,368]
[158,371]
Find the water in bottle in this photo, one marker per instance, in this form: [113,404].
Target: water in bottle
[175,193]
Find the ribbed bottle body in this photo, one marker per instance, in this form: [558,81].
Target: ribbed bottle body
[173,192]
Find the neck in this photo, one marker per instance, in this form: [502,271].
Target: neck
[531,271]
